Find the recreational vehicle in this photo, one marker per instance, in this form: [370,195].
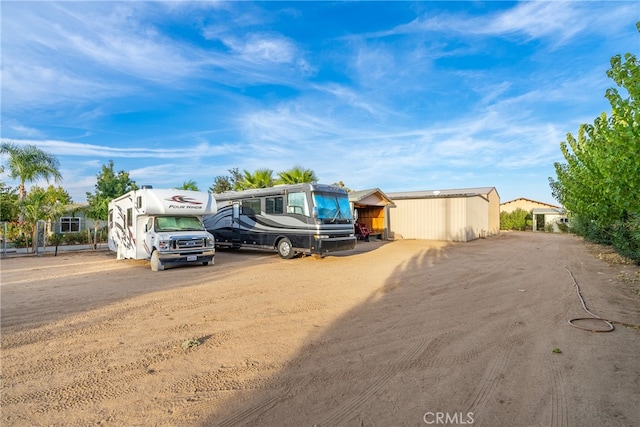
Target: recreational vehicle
[163,226]
[297,218]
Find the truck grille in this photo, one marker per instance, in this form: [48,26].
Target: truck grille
[187,244]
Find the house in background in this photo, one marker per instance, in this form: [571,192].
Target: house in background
[524,204]
[75,220]
[544,215]
[551,218]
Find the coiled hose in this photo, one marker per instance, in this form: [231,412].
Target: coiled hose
[608,323]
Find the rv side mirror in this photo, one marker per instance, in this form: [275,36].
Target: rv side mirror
[314,212]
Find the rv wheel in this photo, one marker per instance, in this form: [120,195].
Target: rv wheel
[284,249]
[156,265]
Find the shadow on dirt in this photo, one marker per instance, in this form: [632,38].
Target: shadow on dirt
[341,376]
[65,286]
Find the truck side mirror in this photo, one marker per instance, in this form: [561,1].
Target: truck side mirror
[314,212]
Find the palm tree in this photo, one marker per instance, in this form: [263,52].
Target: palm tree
[261,178]
[29,163]
[297,175]
[189,185]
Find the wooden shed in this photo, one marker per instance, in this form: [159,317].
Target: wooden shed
[370,206]
[457,215]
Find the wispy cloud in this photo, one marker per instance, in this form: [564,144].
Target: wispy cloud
[413,95]
[66,148]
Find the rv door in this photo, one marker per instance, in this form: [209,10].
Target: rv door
[235,223]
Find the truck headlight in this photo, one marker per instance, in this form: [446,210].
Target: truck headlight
[164,245]
[211,242]
[320,236]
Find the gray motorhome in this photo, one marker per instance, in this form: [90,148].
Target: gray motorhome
[297,218]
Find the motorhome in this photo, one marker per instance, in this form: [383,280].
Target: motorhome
[291,219]
[163,226]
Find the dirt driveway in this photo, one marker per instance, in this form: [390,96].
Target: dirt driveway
[407,333]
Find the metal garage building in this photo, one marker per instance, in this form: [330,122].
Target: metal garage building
[458,215]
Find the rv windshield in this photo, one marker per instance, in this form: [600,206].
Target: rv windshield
[178,223]
[332,207]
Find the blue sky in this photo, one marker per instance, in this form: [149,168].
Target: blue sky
[396,95]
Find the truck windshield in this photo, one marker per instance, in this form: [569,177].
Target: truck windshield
[178,223]
[332,207]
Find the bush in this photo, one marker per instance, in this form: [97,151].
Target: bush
[624,236]
[519,219]
[75,238]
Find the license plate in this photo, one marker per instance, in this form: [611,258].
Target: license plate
[192,257]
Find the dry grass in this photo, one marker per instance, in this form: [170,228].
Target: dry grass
[629,272]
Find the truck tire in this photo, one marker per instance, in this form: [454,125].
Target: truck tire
[285,250]
[156,265]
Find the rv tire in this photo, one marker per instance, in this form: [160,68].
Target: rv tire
[285,250]
[156,265]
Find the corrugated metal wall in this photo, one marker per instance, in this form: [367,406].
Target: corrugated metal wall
[430,219]
[494,213]
[458,219]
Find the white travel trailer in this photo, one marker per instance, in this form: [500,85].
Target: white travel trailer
[163,226]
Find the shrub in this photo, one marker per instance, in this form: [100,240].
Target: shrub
[519,219]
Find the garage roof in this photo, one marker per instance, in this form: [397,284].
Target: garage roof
[371,197]
[459,192]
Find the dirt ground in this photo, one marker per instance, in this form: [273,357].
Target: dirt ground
[405,333]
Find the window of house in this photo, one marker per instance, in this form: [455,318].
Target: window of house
[69,225]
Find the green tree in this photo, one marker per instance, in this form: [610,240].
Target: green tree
[109,185]
[296,175]
[224,183]
[188,185]
[221,184]
[47,204]
[9,209]
[341,185]
[516,220]
[600,180]
[28,163]
[261,178]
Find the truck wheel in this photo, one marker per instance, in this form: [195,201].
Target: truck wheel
[156,265]
[284,249]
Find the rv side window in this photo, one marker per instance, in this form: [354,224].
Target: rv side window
[251,207]
[110,218]
[297,204]
[139,202]
[274,205]
[129,217]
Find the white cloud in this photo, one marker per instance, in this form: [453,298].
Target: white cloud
[74,149]
[538,19]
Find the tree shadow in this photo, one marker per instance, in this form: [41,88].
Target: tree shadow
[345,371]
